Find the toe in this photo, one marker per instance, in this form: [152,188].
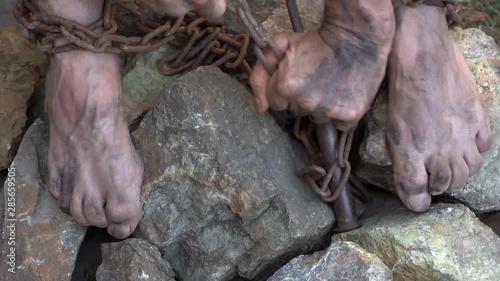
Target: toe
[77,211]
[54,181]
[484,138]
[412,185]
[123,218]
[93,210]
[460,174]
[66,191]
[474,161]
[439,175]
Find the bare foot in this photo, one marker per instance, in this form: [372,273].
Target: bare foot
[333,73]
[438,124]
[95,172]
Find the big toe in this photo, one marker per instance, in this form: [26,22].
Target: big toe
[123,218]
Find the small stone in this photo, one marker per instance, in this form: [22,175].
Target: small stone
[482,192]
[46,239]
[221,196]
[20,68]
[131,260]
[341,261]
[446,243]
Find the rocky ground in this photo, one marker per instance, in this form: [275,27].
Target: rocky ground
[221,197]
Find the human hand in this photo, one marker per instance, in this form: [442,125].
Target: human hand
[317,79]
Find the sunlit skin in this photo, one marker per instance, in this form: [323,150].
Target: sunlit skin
[333,73]
[438,124]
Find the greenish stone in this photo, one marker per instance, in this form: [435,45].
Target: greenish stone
[446,243]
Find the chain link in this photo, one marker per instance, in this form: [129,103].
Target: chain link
[319,178]
[200,43]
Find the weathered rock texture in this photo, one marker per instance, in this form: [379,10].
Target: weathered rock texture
[446,243]
[142,84]
[20,68]
[221,196]
[132,260]
[46,239]
[482,192]
[342,261]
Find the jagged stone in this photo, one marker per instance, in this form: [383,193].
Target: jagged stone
[221,196]
[20,68]
[142,84]
[341,261]
[446,243]
[46,240]
[482,192]
[131,260]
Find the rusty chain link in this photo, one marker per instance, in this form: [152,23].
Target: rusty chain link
[319,178]
[200,43]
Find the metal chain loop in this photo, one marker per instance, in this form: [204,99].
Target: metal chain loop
[200,43]
[316,176]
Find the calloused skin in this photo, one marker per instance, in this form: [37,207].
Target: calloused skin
[438,125]
[95,172]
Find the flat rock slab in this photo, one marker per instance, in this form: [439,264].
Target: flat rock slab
[482,192]
[132,260]
[46,240]
[342,261]
[446,243]
[221,194]
[20,68]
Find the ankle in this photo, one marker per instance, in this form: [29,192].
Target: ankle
[369,20]
[83,12]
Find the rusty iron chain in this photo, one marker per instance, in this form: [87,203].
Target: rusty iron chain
[317,177]
[199,42]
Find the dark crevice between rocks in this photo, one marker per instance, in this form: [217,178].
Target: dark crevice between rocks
[89,254]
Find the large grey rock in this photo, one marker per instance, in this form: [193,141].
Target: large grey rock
[446,243]
[482,192]
[342,261]
[132,260]
[221,196]
[142,84]
[20,68]
[45,239]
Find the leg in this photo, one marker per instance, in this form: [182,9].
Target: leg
[438,125]
[94,170]
[333,73]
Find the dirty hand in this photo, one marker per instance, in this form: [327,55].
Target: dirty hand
[317,79]
[209,9]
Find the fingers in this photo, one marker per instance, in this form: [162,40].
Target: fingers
[267,87]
